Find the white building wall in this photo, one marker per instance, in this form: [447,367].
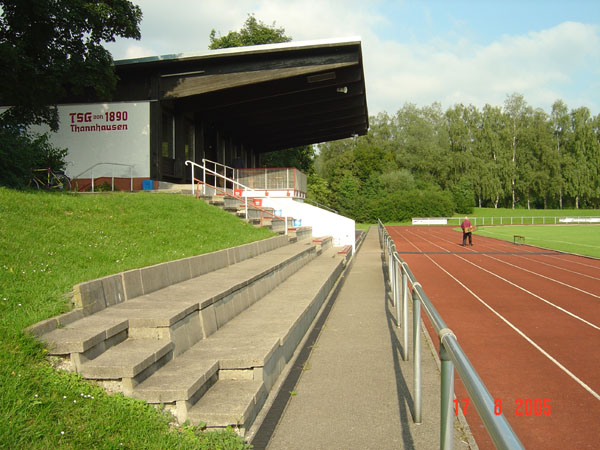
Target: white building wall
[104,133]
[323,222]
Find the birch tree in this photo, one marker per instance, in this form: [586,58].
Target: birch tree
[560,132]
[515,110]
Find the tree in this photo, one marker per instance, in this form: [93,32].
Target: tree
[302,158]
[560,128]
[21,151]
[254,32]
[348,201]
[494,179]
[422,141]
[318,190]
[594,159]
[51,49]
[580,157]
[516,110]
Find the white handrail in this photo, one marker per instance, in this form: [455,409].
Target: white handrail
[234,182]
[112,173]
[225,167]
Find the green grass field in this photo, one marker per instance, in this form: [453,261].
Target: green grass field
[579,239]
[507,212]
[48,243]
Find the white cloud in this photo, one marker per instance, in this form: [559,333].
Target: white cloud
[540,65]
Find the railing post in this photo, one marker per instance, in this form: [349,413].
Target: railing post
[394,279]
[92,180]
[112,178]
[390,262]
[246,202]
[447,395]
[397,280]
[130,178]
[405,312]
[193,180]
[417,353]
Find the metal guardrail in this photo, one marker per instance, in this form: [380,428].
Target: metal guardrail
[451,355]
[112,173]
[320,205]
[273,178]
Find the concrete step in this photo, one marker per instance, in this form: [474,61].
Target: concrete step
[233,202]
[254,213]
[323,243]
[211,347]
[278,225]
[230,402]
[184,312]
[253,347]
[131,360]
[84,334]
[181,380]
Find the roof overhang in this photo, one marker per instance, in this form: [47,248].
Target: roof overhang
[268,96]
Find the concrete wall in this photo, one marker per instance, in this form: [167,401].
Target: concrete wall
[323,222]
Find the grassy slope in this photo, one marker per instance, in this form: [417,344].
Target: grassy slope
[48,243]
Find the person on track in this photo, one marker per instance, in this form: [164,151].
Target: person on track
[467,229]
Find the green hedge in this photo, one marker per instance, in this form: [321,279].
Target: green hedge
[403,205]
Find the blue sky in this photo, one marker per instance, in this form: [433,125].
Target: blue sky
[483,20]
[470,52]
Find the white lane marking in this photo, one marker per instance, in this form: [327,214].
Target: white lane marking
[545,277]
[521,333]
[532,294]
[557,267]
[560,308]
[557,256]
[579,263]
[530,271]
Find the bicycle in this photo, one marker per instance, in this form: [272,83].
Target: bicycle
[52,180]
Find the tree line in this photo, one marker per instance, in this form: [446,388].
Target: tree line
[512,156]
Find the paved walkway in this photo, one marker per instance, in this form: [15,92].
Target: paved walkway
[354,391]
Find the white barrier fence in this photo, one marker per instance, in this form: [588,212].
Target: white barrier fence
[515,220]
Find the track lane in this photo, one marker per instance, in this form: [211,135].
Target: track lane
[479,332]
[590,269]
[559,295]
[497,289]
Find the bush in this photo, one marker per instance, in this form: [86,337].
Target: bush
[404,205]
[20,152]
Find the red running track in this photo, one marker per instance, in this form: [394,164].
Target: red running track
[528,320]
